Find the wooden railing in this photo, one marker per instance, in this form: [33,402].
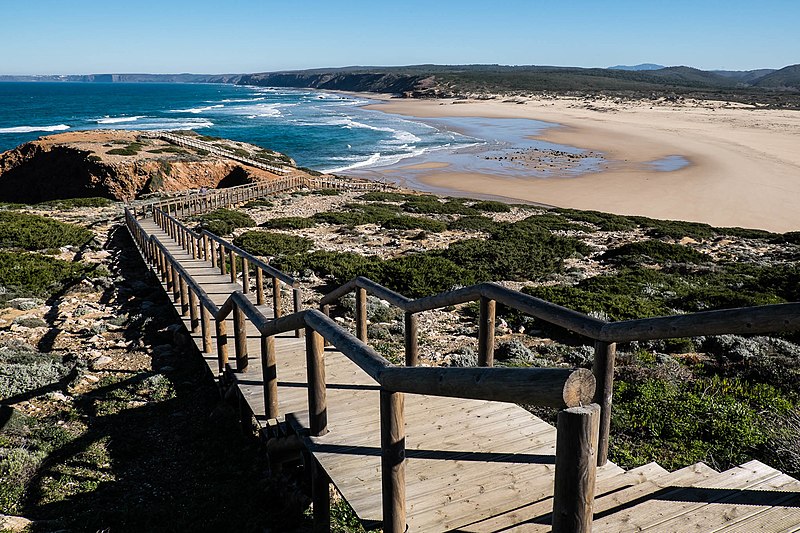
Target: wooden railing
[196,202]
[605,335]
[561,388]
[190,142]
[583,429]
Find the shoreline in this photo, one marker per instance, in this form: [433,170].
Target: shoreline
[743,166]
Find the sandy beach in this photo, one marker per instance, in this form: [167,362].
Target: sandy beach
[744,162]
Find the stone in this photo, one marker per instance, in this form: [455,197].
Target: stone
[25,304]
[99,362]
[14,523]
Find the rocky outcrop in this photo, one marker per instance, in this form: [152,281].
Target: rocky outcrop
[117,165]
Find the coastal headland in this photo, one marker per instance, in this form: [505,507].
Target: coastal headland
[743,163]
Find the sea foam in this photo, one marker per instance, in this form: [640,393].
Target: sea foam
[31,129]
[197,110]
[119,120]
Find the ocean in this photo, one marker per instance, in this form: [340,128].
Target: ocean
[320,130]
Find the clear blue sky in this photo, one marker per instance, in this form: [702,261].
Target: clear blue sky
[168,36]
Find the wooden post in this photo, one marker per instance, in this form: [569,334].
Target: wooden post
[276,298]
[604,355]
[205,247]
[486,332]
[193,321]
[270,374]
[240,338]
[317,402]
[393,454]
[184,297]
[320,498]
[222,345]
[259,286]
[176,285]
[222,268]
[361,314]
[205,327]
[232,258]
[326,310]
[297,303]
[214,255]
[162,265]
[576,466]
[412,347]
[245,276]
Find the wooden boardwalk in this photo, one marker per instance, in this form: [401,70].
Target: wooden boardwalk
[479,466]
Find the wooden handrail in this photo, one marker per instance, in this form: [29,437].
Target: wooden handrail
[271,270]
[539,386]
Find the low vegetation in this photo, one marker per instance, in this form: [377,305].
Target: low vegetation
[224,221]
[131,149]
[272,244]
[31,274]
[78,203]
[35,232]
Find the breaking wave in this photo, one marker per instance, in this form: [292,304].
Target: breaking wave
[31,129]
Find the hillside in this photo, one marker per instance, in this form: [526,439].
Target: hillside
[765,87]
[785,78]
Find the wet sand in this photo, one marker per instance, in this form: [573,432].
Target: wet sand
[744,163]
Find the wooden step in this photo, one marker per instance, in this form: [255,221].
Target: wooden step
[749,508]
[669,501]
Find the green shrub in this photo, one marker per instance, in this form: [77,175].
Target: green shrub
[716,420]
[407,222]
[791,237]
[474,223]
[490,206]
[224,221]
[34,232]
[551,222]
[74,203]
[431,205]
[617,306]
[289,223]
[30,274]
[747,233]
[676,229]
[358,214]
[327,192]
[132,149]
[260,203]
[643,292]
[341,266]
[420,275]
[272,244]
[386,197]
[654,251]
[604,221]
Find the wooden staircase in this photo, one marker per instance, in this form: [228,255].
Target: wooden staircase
[470,465]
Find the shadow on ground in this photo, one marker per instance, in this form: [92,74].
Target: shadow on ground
[162,451]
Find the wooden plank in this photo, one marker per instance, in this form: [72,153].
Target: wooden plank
[534,517]
[675,502]
[734,505]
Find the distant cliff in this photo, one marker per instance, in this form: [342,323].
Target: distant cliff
[376,82]
[119,165]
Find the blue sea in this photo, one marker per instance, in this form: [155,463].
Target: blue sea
[325,131]
[320,130]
